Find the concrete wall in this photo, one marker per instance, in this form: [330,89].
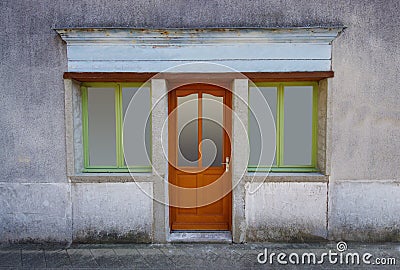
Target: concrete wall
[286,211]
[363,116]
[112,212]
[35,212]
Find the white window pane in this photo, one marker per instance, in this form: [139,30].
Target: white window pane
[262,132]
[213,122]
[101,126]
[188,130]
[137,133]
[298,125]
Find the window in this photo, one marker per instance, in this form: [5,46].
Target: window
[104,106]
[294,108]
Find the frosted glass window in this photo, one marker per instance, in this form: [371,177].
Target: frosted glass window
[101,126]
[298,125]
[287,130]
[137,134]
[262,125]
[212,130]
[187,111]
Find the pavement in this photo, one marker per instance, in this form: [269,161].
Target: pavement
[200,256]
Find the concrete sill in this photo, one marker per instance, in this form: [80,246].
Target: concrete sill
[286,177]
[111,177]
[200,237]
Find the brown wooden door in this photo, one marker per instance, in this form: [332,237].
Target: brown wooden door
[199,145]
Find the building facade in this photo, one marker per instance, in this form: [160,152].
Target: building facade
[188,120]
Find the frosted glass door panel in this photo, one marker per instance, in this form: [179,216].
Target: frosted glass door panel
[102,138]
[298,125]
[262,131]
[187,111]
[212,130]
[137,132]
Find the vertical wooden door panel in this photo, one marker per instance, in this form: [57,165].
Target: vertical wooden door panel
[203,199]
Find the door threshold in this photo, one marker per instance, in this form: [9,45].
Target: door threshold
[200,237]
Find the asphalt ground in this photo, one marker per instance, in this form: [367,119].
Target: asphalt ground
[201,256]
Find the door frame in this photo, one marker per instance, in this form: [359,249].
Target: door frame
[227,145]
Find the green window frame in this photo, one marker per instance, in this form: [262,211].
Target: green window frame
[119,167]
[280,166]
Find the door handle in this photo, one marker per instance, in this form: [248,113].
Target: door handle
[226,163]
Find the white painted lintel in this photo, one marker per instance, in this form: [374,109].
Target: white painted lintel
[241,49]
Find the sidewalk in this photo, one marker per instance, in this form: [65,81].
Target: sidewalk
[186,256]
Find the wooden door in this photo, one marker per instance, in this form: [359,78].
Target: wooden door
[199,156]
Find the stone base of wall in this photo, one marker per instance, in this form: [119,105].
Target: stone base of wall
[112,212]
[340,210]
[286,212]
[65,213]
[367,211]
[35,212]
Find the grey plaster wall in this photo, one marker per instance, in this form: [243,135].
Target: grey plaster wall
[112,212]
[364,210]
[365,95]
[35,212]
[363,98]
[284,211]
